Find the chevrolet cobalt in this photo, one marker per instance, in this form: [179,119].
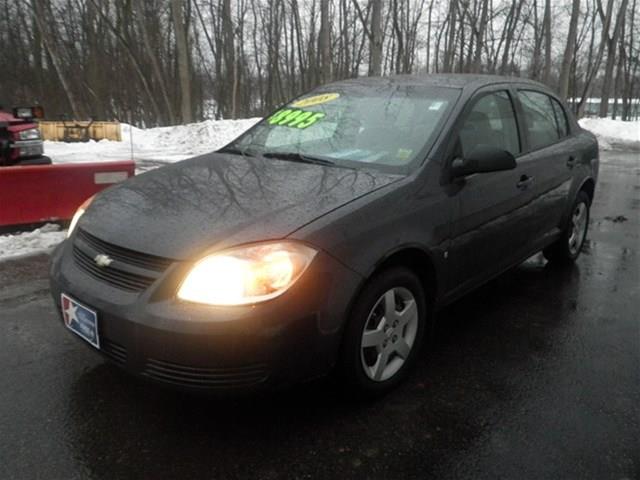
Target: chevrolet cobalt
[325,237]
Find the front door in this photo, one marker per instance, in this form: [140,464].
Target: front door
[489,226]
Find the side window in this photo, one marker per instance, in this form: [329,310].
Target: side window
[561,118]
[491,122]
[539,118]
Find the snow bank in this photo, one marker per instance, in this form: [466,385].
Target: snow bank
[154,146]
[29,243]
[614,134]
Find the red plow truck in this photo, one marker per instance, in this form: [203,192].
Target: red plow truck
[33,190]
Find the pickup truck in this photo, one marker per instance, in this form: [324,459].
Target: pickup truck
[20,139]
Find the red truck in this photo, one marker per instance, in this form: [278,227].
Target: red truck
[20,139]
[34,191]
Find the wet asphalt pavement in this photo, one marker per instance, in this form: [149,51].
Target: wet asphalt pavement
[536,375]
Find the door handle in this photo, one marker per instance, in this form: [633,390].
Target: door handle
[571,162]
[525,181]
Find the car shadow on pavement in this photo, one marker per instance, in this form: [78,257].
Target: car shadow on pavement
[484,344]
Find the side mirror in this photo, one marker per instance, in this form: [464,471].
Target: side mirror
[483,159]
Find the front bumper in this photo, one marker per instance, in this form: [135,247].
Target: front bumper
[153,335]
[27,148]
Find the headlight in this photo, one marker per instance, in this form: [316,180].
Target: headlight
[247,274]
[30,134]
[76,216]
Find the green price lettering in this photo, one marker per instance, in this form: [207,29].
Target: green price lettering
[295,118]
[311,120]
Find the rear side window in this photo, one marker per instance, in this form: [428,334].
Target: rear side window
[491,122]
[561,118]
[540,119]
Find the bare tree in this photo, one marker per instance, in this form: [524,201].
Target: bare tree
[569,51]
[325,41]
[183,60]
[158,62]
[612,46]
[40,16]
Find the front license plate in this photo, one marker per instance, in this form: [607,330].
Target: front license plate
[80,320]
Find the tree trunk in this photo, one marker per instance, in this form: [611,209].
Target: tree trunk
[546,22]
[569,51]
[375,65]
[477,56]
[324,40]
[155,66]
[450,43]
[612,45]
[52,49]
[231,71]
[183,61]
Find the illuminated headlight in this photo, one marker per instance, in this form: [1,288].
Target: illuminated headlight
[247,274]
[76,216]
[30,134]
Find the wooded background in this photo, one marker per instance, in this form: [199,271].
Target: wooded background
[164,62]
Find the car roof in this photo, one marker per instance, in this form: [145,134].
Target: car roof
[452,80]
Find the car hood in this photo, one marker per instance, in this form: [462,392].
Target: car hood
[219,200]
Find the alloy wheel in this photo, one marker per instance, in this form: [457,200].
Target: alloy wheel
[578,228]
[389,334]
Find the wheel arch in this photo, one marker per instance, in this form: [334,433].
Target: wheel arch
[589,187]
[417,259]
[412,256]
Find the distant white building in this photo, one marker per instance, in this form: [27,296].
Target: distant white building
[592,107]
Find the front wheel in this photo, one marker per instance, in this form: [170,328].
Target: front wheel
[568,247]
[385,332]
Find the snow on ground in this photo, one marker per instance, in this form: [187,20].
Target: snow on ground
[155,146]
[27,243]
[614,134]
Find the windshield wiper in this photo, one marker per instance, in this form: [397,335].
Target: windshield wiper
[298,157]
[236,151]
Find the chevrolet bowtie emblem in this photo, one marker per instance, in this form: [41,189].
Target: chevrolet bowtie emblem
[103,260]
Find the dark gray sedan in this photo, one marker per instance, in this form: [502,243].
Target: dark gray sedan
[326,236]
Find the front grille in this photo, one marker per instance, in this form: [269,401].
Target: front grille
[131,257]
[200,377]
[117,278]
[116,353]
[130,270]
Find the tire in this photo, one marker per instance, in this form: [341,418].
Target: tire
[396,342]
[567,248]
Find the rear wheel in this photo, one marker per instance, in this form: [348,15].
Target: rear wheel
[385,332]
[568,247]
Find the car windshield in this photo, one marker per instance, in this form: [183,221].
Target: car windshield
[389,127]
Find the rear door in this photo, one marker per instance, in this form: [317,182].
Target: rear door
[488,226]
[548,161]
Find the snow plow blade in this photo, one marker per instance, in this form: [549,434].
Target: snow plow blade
[52,193]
